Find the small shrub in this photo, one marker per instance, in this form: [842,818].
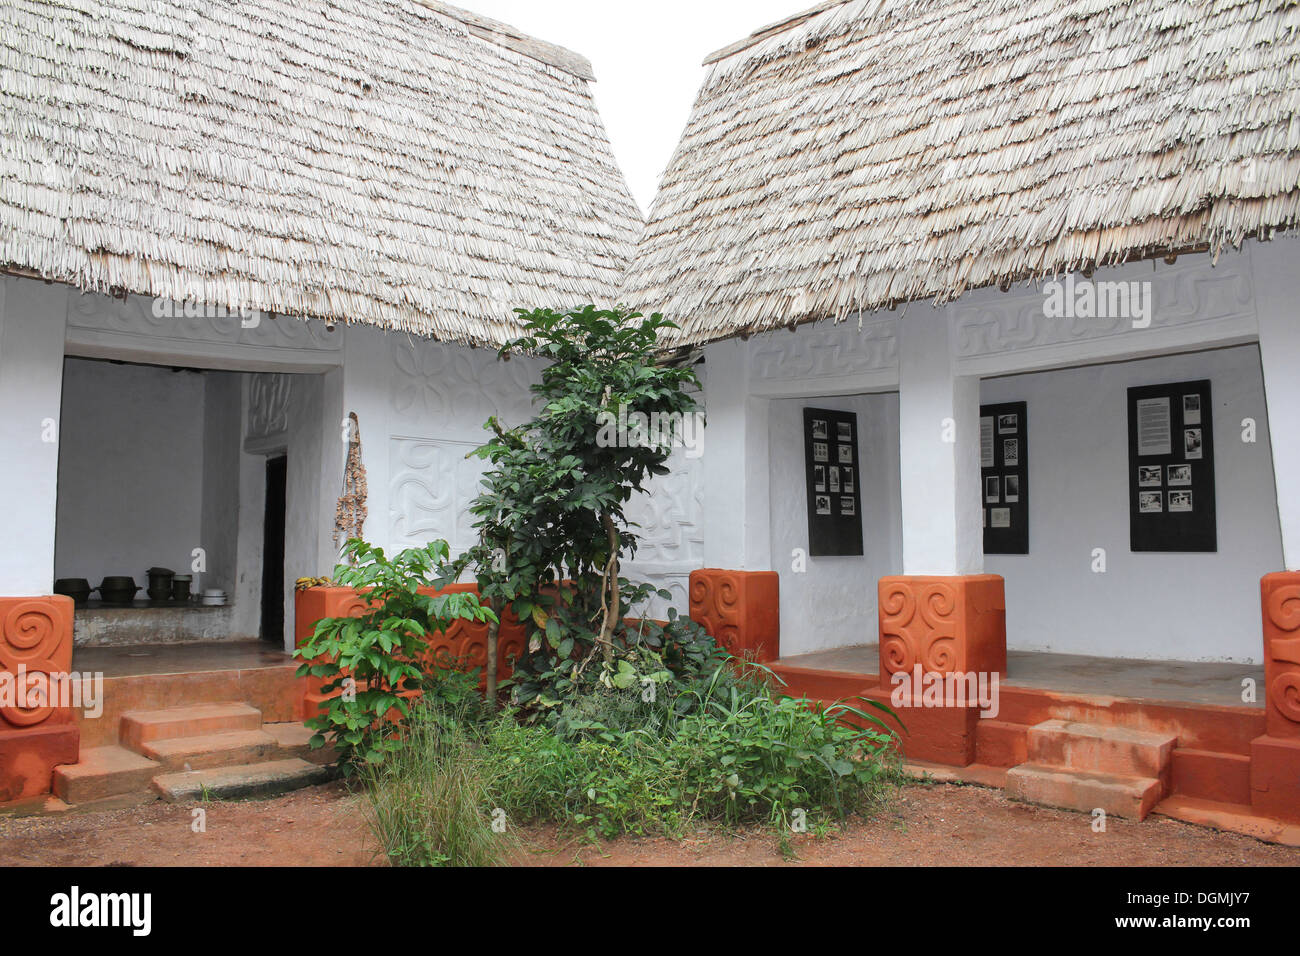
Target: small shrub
[740,754]
[380,659]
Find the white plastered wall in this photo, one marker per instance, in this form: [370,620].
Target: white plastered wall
[1145,604]
[33,316]
[937,359]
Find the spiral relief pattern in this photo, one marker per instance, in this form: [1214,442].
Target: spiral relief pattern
[918,624]
[36,636]
[1284,694]
[1281,607]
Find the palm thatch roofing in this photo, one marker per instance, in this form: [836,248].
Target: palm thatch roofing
[871,152]
[400,163]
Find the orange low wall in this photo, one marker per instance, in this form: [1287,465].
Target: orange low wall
[35,638]
[464,643]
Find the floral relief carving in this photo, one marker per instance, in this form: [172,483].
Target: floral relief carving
[457,385]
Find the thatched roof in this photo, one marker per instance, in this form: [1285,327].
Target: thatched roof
[868,153]
[395,162]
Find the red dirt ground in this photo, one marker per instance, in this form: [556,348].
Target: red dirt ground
[926,826]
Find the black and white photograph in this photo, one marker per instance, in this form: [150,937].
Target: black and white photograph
[1191,411]
[848,505]
[1179,475]
[1008,424]
[845,454]
[820,451]
[834,476]
[1011,488]
[823,504]
[1150,502]
[1191,443]
[819,477]
[1180,501]
[847,471]
[1011,451]
[843,431]
[992,489]
[999,517]
[819,429]
[1149,476]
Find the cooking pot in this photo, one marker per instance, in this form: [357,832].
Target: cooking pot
[76,588]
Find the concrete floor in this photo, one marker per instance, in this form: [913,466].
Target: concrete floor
[131,661]
[1193,682]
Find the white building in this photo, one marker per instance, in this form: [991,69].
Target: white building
[862,214]
[376,213]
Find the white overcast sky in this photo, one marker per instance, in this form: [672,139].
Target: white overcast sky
[646,57]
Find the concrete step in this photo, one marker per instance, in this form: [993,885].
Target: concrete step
[212,750]
[294,740]
[1000,744]
[197,720]
[248,780]
[1091,747]
[103,772]
[1120,795]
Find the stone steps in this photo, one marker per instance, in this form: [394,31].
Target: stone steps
[211,750]
[248,780]
[1121,795]
[220,749]
[197,720]
[103,772]
[1109,749]
[1086,767]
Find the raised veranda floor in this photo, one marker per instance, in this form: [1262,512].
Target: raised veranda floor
[1190,682]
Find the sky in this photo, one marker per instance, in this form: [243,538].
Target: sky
[647,60]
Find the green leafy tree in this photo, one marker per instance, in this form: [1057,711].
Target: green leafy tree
[552,519]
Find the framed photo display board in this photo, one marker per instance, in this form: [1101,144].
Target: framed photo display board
[1171,468]
[1004,478]
[834,482]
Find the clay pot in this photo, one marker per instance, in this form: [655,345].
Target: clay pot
[118,589]
[76,588]
[160,584]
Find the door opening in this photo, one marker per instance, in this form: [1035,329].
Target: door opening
[273,551]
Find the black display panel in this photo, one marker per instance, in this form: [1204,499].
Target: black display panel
[1171,468]
[1004,477]
[834,482]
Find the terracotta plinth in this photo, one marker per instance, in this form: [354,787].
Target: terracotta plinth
[36,735]
[947,624]
[740,610]
[1275,757]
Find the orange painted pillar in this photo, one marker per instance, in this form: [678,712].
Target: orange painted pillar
[945,623]
[941,624]
[36,734]
[1275,757]
[741,610]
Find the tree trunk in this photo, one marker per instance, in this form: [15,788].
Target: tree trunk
[609,591]
[490,692]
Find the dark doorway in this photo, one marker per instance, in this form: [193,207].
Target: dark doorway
[273,552]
